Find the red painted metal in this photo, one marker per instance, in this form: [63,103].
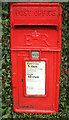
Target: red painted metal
[35,27]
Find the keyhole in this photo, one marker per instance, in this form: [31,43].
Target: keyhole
[22,80]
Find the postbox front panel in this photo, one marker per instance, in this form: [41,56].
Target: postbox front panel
[35,57]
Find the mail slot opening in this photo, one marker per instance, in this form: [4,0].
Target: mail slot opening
[54,26]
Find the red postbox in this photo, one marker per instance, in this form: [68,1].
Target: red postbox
[35,56]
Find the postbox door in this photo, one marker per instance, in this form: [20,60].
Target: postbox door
[36,68]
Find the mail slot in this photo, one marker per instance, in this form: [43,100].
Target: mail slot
[35,56]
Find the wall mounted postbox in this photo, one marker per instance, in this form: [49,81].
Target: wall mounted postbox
[35,56]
